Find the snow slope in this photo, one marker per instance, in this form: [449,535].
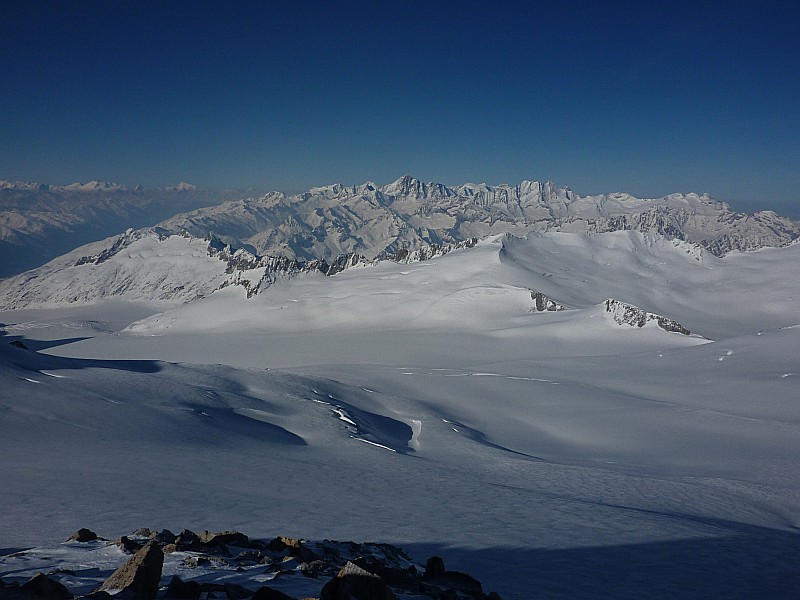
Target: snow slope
[550,454]
[39,222]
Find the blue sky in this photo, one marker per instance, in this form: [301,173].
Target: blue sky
[648,98]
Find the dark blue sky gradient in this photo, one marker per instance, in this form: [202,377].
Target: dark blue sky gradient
[648,98]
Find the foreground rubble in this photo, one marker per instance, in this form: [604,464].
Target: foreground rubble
[159,564]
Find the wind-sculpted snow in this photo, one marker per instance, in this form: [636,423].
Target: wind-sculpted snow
[424,403]
[155,265]
[509,451]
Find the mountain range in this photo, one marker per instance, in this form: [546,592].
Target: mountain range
[407,214]
[252,242]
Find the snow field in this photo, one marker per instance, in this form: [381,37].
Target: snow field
[426,405]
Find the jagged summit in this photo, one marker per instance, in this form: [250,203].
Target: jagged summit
[408,186]
[408,214]
[331,224]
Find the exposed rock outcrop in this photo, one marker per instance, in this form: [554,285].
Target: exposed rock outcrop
[542,303]
[628,314]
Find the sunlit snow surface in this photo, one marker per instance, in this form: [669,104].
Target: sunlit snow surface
[426,405]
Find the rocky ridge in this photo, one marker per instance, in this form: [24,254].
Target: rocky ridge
[229,564]
[39,222]
[628,314]
[330,228]
[112,268]
[374,221]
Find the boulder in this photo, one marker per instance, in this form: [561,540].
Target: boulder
[127,545]
[434,568]
[182,590]
[354,583]
[83,535]
[405,579]
[165,536]
[237,592]
[41,587]
[281,543]
[294,547]
[267,593]
[141,575]
[98,595]
[12,592]
[143,531]
[224,538]
[437,579]
[187,538]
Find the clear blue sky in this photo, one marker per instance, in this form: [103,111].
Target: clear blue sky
[643,97]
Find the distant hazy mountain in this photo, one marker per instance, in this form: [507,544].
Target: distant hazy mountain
[253,242]
[39,222]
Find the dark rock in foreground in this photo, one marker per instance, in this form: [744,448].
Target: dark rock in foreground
[342,570]
[42,587]
[354,583]
[38,587]
[267,593]
[141,575]
[438,582]
[83,535]
[223,538]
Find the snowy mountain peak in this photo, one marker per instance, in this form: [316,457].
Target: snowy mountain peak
[183,187]
[410,218]
[408,186]
[330,190]
[95,186]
